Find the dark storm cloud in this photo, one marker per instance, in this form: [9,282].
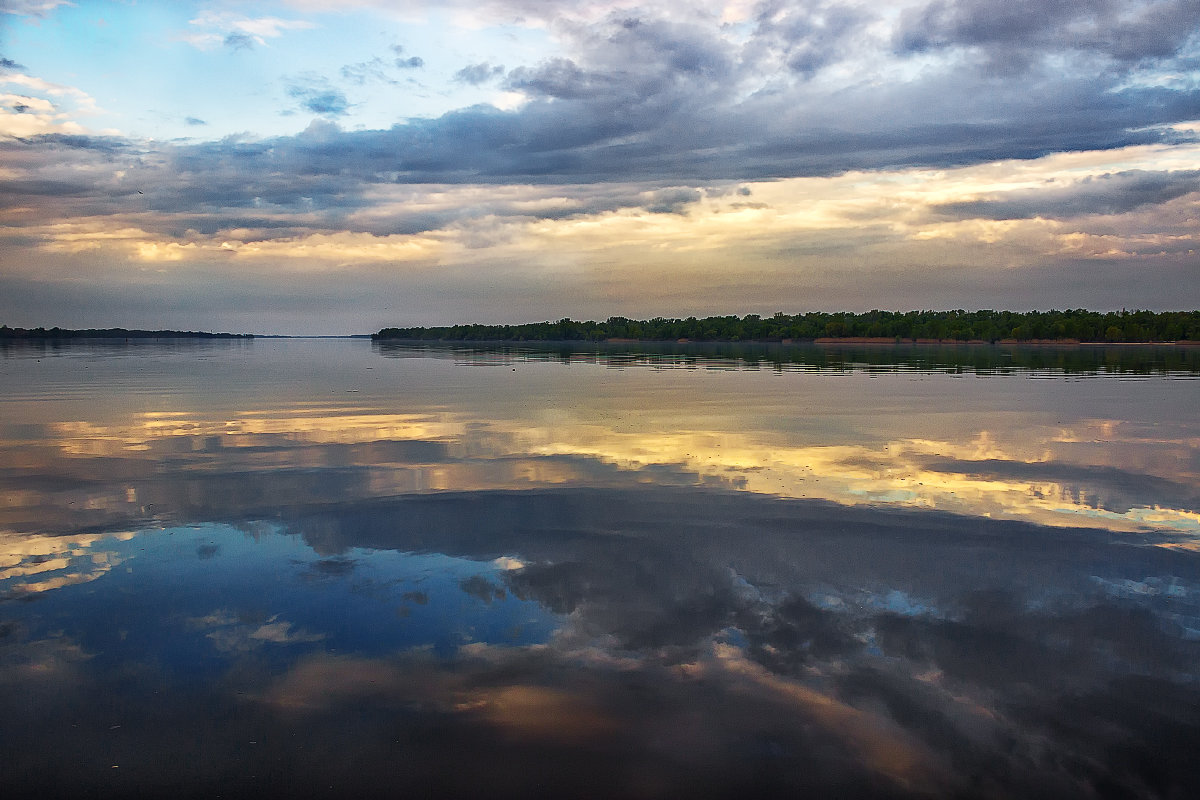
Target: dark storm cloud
[1103,194]
[1027,29]
[476,74]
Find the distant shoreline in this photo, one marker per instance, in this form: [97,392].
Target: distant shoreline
[1059,328]
[1006,342]
[847,340]
[44,334]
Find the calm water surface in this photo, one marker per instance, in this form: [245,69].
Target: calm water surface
[333,567]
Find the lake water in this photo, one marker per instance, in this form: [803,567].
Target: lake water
[334,567]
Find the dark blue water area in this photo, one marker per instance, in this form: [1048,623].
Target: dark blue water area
[650,642]
[191,600]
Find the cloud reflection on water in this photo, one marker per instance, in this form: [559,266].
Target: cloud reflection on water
[556,579]
[837,621]
[85,475]
[709,642]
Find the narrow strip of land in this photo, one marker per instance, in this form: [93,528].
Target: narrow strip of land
[111,333]
[1070,326]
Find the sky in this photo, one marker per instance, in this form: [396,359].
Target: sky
[308,167]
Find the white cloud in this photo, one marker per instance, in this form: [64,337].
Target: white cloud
[31,8]
[217,28]
[43,107]
[282,633]
[229,636]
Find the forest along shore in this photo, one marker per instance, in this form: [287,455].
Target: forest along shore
[1073,326]
[111,333]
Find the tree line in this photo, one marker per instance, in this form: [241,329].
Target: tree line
[964,326]
[111,333]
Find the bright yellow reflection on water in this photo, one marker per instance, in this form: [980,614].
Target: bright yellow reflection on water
[461,453]
[31,565]
[1050,452]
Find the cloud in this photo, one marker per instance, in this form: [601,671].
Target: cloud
[674,200]
[1109,193]
[231,634]
[240,41]
[38,107]
[580,137]
[28,115]
[318,96]
[649,98]
[962,660]
[35,564]
[482,589]
[475,74]
[380,70]
[808,37]
[337,567]
[32,8]
[1026,30]
[850,631]
[195,121]
[282,633]
[9,64]
[698,108]
[330,198]
[411,62]
[720,639]
[365,71]
[1110,488]
[661,110]
[238,32]
[558,78]
[652,94]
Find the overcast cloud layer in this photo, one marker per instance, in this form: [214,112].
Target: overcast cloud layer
[326,168]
